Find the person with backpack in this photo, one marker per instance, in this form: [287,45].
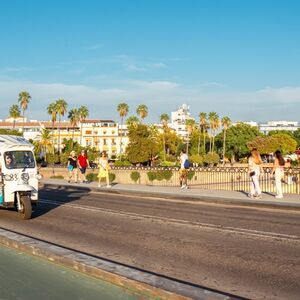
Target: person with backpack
[184,166]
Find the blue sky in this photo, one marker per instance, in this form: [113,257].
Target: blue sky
[239,58]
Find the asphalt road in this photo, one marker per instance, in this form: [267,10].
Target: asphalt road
[249,252]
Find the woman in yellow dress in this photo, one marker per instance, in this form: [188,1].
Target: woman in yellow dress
[103,169]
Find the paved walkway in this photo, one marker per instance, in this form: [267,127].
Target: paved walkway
[193,193]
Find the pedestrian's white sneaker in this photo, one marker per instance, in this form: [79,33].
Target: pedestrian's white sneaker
[99,185]
[250,196]
[257,197]
[183,186]
[186,187]
[108,186]
[279,196]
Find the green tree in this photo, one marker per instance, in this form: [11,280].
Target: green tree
[142,144]
[164,118]
[61,108]
[123,110]
[83,113]
[190,126]
[213,125]
[74,118]
[269,144]
[132,121]
[45,142]
[51,109]
[24,99]
[14,113]
[142,111]
[237,137]
[296,135]
[226,122]
[202,128]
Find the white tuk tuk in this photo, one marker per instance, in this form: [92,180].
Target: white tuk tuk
[19,176]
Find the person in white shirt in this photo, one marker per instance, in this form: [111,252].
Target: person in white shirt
[183,171]
[254,163]
[278,171]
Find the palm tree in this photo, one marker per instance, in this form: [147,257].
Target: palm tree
[61,108]
[202,127]
[122,109]
[51,109]
[216,125]
[211,119]
[142,112]
[24,99]
[74,118]
[226,122]
[164,118]
[190,124]
[132,121]
[83,112]
[14,112]
[45,142]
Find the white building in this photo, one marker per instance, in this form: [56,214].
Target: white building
[278,125]
[179,118]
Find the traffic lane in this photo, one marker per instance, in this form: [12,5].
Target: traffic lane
[250,266]
[262,219]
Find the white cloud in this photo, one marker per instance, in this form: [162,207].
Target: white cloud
[284,94]
[160,97]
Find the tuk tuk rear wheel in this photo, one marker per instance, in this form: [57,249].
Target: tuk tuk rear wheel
[26,209]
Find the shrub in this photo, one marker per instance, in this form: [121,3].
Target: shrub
[190,175]
[167,164]
[211,158]
[93,177]
[167,174]
[151,175]
[160,175]
[135,176]
[122,163]
[196,159]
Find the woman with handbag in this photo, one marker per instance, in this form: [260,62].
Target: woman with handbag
[103,170]
[254,167]
[72,166]
[278,172]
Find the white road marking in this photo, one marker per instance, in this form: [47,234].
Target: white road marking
[236,230]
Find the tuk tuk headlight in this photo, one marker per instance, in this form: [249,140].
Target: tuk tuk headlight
[25,176]
[8,177]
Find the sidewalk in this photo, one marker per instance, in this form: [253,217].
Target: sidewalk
[193,194]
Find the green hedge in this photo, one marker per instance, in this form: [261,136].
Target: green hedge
[160,175]
[93,177]
[135,176]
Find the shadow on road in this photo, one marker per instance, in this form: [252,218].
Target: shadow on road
[60,194]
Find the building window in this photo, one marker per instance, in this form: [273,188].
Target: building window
[88,132]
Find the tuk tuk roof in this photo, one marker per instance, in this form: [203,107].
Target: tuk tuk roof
[10,142]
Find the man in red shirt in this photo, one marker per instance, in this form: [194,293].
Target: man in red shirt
[83,163]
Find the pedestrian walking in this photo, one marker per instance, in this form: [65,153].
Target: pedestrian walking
[184,165]
[278,172]
[72,167]
[83,163]
[103,169]
[254,168]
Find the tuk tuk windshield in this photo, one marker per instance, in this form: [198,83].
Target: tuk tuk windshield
[19,159]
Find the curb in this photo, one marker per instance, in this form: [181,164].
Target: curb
[146,284]
[191,197]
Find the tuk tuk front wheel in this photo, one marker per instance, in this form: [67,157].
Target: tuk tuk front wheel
[25,208]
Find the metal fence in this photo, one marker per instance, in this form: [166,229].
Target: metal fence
[217,178]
